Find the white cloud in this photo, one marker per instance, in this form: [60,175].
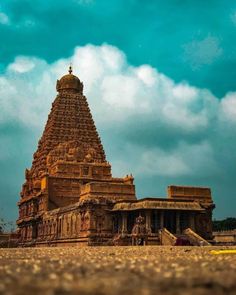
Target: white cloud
[228,104]
[159,162]
[147,75]
[4,19]
[22,65]
[203,52]
[117,92]
[184,92]
[184,160]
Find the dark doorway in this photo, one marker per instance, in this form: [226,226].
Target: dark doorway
[155,221]
[115,220]
[184,221]
[170,221]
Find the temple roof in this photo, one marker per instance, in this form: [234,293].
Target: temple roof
[163,204]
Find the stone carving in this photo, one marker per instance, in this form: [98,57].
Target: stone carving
[86,220]
[72,151]
[91,155]
[139,232]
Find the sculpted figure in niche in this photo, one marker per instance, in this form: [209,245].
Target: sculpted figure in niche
[73,151]
[49,160]
[58,153]
[87,220]
[91,154]
[61,151]
[79,154]
[70,155]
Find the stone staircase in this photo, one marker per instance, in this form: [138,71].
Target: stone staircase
[194,238]
[167,238]
[187,238]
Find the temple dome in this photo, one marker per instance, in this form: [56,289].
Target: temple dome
[69,81]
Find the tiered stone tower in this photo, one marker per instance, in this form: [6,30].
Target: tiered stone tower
[70,120]
[69,155]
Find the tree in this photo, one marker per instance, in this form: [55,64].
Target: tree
[2,225]
[225,224]
[6,225]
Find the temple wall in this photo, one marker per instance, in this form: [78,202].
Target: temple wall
[63,192]
[198,194]
[225,237]
[81,224]
[204,224]
[113,191]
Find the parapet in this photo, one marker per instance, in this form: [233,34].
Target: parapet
[199,194]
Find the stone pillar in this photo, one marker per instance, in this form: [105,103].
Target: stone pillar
[63,227]
[78,223]
[93,220]
[124,223]
[30,233]
[178,222]
[148,220]
[192,221]
[75,224]
[56,228]
[161,219]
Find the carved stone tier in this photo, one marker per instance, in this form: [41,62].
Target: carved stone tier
[70,132]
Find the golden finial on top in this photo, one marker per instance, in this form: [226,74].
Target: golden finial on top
[70,69]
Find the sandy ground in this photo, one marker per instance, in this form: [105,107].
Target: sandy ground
[117,270]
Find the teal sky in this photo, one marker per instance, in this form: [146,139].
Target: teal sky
[190,43]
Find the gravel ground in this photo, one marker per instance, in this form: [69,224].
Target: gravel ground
[117,270]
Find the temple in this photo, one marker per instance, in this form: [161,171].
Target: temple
[71,198]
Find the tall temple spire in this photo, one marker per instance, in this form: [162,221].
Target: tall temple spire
[70,120]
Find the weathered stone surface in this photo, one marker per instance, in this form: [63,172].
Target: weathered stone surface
[116,270]
[225,237]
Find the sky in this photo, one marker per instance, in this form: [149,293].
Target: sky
[160,81]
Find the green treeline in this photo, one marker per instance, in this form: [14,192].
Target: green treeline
[225,224]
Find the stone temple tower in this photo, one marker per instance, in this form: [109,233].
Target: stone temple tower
[69,156]
[70,125]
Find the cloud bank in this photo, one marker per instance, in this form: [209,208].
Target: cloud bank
[150,125]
